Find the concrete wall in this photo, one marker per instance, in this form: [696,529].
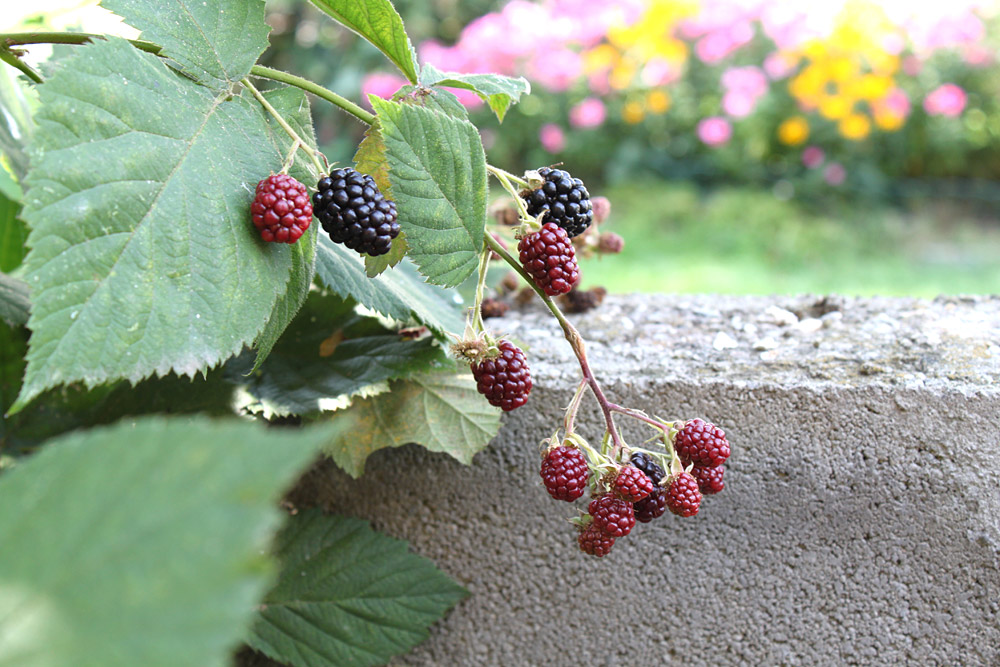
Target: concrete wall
[860,523]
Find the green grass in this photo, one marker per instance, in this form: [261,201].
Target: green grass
[739,241]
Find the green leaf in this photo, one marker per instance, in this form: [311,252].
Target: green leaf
[293,106]
[435,99]
[329,352]
[14,304]
[215,42]
[143,259]
[499,92]
[141,544]
[441,411]
[400,294]
[437,169]
[379,23]
[347,595]
[13,234]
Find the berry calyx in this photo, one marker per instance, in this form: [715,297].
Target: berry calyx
[354,212]
[612,516]
[281,210]
[709,479]
[564,473]
[548,256]
[504,380]
[683,496]
[652,506]
[564,200]
[595,542]
[702,444]
[632,484]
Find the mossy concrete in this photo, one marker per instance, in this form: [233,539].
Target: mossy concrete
[860,523]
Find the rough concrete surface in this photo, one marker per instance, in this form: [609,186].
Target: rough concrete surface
[860,524]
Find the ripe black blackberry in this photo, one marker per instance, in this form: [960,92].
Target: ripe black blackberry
[648,465]
[354,212]
[564,199]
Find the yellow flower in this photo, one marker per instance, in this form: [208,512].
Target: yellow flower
[793,131]
[836,107]
[600,58]
[855,127]
[888,121]
[632,113]
[658,101]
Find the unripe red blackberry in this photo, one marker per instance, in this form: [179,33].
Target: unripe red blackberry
[493,308]
[702,444]
[709,479]
[354,212]
[632,484]
[610,243]
[504,380]
[595,542]
[548,256]
[564,473]
[564,200]
[281,210]
[652,506]
[612,515]
[683,496]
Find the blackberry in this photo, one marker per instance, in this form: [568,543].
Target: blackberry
[612,516]
[632,484]
[702,444]
[648,465]
[652,506]
[580,301]
[504,380]
[564,472]
[548,256]
[354,212]
[564,199]
[709,479]
[493,307]
[281,211]
[683,496]
[595,542]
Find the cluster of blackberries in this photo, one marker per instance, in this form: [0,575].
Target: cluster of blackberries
[640,490]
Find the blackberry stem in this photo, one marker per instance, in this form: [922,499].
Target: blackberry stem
[497,171]
[23,38]
[11,59]
[575,341]
[284,125]
[504,178]
[484,263]
[641,416]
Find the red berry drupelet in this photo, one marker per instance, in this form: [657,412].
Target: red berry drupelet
[564,472]
[612,516]
[548,256]
[683,496]
[632,484]
[595,542]
[709,479]
[702,444]
[281,210]
[504,380]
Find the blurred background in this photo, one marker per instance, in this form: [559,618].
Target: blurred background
[746,146]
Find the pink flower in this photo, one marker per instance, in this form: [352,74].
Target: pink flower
[945,100]
[716,45]
[744,86]
[897,102]
[813,156]
[555,70]
[381,85]
[912,65]
[552,138]
[778,66]
[715,131]
[834,174]
[588,113]
[738,104]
